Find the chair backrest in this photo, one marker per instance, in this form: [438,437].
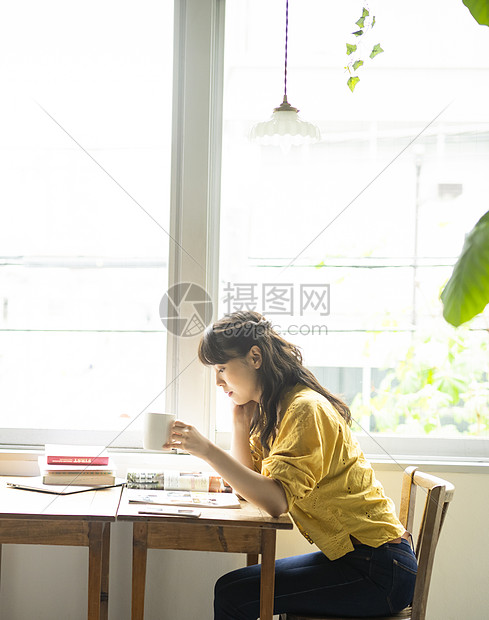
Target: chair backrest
[439,493]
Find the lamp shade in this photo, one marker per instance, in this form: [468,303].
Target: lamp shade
[285,128]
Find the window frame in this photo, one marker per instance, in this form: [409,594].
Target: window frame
[195,182]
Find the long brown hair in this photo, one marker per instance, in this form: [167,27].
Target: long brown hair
[233,336]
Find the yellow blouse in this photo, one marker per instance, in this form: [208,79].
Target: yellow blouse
[331,488]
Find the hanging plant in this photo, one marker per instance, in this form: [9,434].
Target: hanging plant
[467,292]
[356,50]
[479,10]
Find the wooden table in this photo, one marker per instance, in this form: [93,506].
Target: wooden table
[82,519]
[234,530]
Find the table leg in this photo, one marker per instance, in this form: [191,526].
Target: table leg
[139,555]
[251,559]
[267,583]
[104,586]
[95,545]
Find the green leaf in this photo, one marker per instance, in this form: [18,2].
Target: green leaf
[352,82]
[373,22]
[357,64]
[479,10]
[453,386]
[467,292]
[361,22]
[428,427]
[350,48]
[358,33]
[376,50]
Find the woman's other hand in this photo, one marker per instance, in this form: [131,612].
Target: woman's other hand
[240,438]
[243,414]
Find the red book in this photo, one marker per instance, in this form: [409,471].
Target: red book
[76,455]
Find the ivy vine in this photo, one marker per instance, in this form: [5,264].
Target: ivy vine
[355,50]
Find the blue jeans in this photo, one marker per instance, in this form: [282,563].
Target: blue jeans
[365,582]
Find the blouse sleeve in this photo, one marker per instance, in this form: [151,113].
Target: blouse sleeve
[301,453]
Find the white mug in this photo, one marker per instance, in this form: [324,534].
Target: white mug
[157,428]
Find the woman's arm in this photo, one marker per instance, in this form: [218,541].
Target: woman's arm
[240,437]
[262,491]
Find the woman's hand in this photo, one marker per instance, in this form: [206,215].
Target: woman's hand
[243,414]
[187,437]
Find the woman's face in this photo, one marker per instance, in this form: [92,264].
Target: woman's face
[238,377]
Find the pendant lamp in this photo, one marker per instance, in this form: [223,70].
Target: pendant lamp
[285,128]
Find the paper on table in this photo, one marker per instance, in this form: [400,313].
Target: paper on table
[184,498]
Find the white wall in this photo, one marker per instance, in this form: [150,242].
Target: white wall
[49,583]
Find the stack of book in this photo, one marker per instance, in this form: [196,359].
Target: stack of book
[78,465]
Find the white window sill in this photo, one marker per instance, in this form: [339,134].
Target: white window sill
[435,466]
[20,462]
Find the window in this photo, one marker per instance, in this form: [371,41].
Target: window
[375,213]
[152,100]
[85,157]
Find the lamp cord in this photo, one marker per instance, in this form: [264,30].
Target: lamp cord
[286,41]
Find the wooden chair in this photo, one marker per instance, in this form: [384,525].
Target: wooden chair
[439,493]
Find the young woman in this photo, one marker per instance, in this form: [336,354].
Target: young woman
[292,451]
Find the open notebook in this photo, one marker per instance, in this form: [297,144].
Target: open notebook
[35,484]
